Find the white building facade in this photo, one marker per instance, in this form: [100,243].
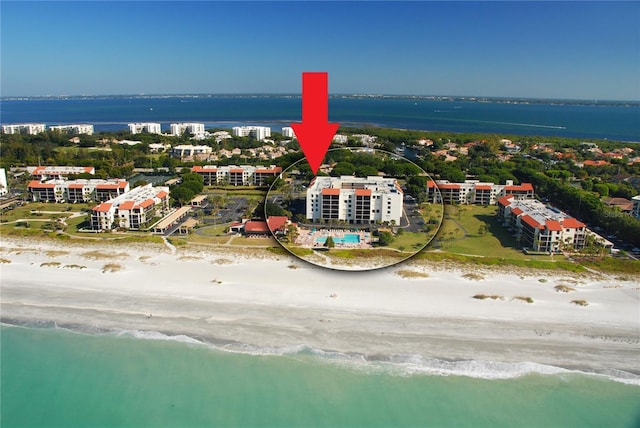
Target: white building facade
[244,175]
[257,132]
[50,172]
[24,128]
[148,127]
[76,191]
[197,129]
[133,210]
[73,129]
[475,192]
[635,211]
[183,151]
[355,200]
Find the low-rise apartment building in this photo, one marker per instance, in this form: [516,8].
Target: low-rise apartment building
[185,151]
[543,228]
[75,191]
[243,175]
[355,200]
[475,192]
[133,210]
[635,211]
[58,172]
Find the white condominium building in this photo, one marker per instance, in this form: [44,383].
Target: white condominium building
[287,131]
[132,210]
[475,192]
[149,127]
[196,129]
[257,132]
[244,175]
[74,129]
[59,190]
[48,172]
[355,200]
[24,128]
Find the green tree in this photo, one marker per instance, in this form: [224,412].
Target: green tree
[329,243]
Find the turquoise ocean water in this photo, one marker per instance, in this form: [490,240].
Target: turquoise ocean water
[56,378]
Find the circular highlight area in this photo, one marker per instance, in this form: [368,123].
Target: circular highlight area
[365,209]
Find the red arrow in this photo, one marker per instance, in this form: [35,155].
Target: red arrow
[315,133]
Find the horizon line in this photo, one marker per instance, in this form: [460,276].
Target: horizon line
[337,94]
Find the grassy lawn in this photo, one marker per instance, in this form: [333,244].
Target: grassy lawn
[213,230]
[409,241]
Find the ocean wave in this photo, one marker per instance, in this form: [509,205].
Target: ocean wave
[395,365]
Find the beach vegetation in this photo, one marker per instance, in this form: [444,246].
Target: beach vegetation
[526,299]
[50,264]
[74,266]
[564,288]
[473,276]
[4,261]
[111,268]
[406,273]
[488,296]
[580,302]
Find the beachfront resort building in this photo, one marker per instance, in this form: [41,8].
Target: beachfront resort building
[24,128]
[75,191]
[177,129]
[543,228]
[148,127]
[133,210]
[58,172]
[243,175]
[475,192]
[355,200]
[73,129]
[257,132]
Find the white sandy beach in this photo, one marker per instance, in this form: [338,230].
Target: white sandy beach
[262,303]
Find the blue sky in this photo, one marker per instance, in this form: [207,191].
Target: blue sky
[584,50]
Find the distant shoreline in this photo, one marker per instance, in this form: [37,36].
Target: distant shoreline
[475,99]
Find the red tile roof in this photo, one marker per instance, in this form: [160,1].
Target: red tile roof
[103,207]
[126,205]
[595,163]
[554,225]
[530,220]
[528,187]
[146,203]
[572,223]
[483,187]
[448,186]
[505,200]
[39,185]
[275,170]
[236,170]
[276,222]
[162,194]
[363,192]
[431,184]
[256,227]
[517,211]
[330,191]
[76,186]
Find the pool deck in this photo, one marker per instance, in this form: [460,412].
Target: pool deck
[307,238]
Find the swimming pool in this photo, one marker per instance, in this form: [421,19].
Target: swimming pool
[349,238]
